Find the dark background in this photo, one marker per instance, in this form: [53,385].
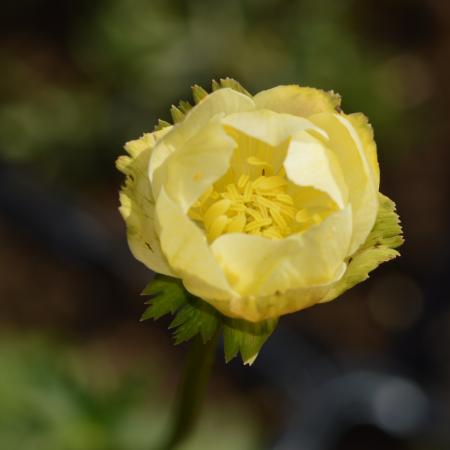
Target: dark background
[77,369]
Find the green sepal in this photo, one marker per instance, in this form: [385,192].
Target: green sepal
[229,83]
[162,124]
[246,338]
[379,247]
[215,85]
[194,316]
[233,84]
[198,93]
[184,106]
[168,295]
[177,114]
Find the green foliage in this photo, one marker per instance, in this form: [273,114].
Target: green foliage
[179,112]
[168,295]
[198,93]
[58,396]
[379,247]
[230,83]
[246,338]
[129,62]
[194,316]
[387,231]
[184,106]
[162,124]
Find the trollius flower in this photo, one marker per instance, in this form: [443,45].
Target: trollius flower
[262,205]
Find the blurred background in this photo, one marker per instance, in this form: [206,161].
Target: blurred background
[77,370]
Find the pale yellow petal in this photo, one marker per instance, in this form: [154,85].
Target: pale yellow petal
[137,204]
[363,194]
[309,163]
[267,126]
[365,132]
[258,266]
[186,248]
[202,160]
[297,100]
[220,102]
[256,309]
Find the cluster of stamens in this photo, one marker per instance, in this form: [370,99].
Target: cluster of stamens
[259,206]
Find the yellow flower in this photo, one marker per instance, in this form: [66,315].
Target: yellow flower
[262,205]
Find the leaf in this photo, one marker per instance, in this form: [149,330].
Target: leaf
[246,338]
[197,317]
[229,83]
[194,316]
[233,84]
[161,124]
[177,114]
[198,93]
[215,85]
[184,106]
[379,247]
[168,295]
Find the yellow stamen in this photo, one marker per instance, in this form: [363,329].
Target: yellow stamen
[216,209]
[237,224]
[243,180]
[302,216]
[218,226]
[259,206]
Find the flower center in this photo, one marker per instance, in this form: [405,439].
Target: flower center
[261,207]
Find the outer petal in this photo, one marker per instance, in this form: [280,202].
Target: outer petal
[188,252]
[363,195]
[256,266]
[365,132]
[221,102]
[256,309]
[197,165]
[297,100]
[310,163]
[137,204]
[268,126]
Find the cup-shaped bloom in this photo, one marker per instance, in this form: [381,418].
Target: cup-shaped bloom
[262,205]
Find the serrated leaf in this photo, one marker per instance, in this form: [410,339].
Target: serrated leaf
[168,295]
[177,114]
[387,230]
[229,83]
[184,106]
[233,84]
[215,85]
[162,124]
[196,317]
[246,338]
[198,93]
[379,247]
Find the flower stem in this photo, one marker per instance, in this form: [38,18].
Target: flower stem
[191,390]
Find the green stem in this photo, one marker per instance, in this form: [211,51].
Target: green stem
[191,390]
